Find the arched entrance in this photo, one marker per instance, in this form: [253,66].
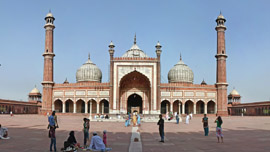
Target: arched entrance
[134,91]
[93,105]
[69,106]
[58,106]
[200,107]
[165,107]
[80,106]
[211,107]
[177,106]
[189,107]
[104,106]
[134,103]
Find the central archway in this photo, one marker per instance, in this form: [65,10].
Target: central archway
[135,91]
[134,103]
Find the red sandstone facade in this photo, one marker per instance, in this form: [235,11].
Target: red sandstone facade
[19,107]
[250,109]
[135,84]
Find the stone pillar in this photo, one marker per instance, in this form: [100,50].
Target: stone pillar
[90,110]
[97,107]
[205,108]
[86,107]
[64,107]
[194,108]
[179,107]
[183,108]
[215,108]
[53,107]
[74,107]
[102,108]
[171,107]
[167,107]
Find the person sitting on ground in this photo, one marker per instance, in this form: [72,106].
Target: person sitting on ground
[71,142]
[102,116]
[107,117]
[97,144]
[3,133]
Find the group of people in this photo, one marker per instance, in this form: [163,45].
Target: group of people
[101,116]
[136,119]
[218,121]
[71,144]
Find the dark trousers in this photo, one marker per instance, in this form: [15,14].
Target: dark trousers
[177,120]
[53,142]
[206,130]
[86,136]
[161,133]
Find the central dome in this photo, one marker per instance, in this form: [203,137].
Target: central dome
[135,51]
[88,72]
[180,73]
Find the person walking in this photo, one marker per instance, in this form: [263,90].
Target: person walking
[177,118]
[161,128]
[187,119]
[134,119]
[126,121]
[138,120]
[205,125]
[86,126]
[219,129]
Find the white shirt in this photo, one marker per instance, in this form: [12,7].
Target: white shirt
[96,143]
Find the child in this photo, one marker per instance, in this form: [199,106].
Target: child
[105,138]
[126,122]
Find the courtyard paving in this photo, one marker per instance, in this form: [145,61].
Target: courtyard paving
[250,134]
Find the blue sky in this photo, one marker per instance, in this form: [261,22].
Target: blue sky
[181,27]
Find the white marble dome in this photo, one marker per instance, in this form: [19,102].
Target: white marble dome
[35,90]
[234,92]
[88,72]
[180,73]
[135,51]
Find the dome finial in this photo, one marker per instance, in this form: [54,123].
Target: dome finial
[88,56]
[180,57]
[135,39]
[49,10]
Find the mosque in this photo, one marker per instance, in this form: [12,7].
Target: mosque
[135,83]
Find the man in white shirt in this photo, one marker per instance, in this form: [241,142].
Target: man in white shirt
[97,144]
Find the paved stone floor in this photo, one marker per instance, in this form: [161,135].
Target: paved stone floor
[250,134]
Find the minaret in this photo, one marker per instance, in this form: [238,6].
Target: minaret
[48,65]
[111,51]
[158,52]
[221,82]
